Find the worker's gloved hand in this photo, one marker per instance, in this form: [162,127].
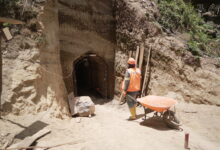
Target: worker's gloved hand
[124,93]
[139,95]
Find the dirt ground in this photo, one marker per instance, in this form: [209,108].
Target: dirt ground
[109,129]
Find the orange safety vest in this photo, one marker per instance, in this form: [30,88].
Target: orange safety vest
[135,80]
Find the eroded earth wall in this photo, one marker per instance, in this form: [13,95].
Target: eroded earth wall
[174,71]
[32,75]
[37,62]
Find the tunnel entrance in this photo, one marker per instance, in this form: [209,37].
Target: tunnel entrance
[90,76]
[88,27]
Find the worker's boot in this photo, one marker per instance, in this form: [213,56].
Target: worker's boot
[133,113]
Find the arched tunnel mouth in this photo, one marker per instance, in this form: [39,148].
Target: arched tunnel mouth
[90,76]
[87,33]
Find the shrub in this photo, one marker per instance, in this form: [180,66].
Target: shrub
[8,8]
[176,15]
[193,47]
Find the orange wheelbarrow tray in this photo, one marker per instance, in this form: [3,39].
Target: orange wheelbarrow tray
[161,105]
[157,103]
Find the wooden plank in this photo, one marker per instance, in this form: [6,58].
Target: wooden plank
[7,33]
[29,140]
[71,103]
[136,56]
[141,55]
[149,57]
[133,54]
[9,142]
[11,21]
[130,53]
[145,76]
[44,147]
[0,75]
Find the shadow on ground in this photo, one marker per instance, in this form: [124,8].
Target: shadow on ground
[155,123]
[96,97]
[31,130]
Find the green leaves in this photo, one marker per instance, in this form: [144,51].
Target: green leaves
[176,15]
[193,47]
[179,15]
[8,8]
[6,24]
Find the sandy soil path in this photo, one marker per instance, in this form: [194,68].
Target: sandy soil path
[109,129]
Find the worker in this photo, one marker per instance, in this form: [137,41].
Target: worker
[131,86]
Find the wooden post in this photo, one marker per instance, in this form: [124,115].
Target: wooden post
[130,53]
[141,55]
[11,21]
[133,54]
[0,76]
[136,56]
[145,76]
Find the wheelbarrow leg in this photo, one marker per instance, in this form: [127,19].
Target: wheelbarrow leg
[145,113]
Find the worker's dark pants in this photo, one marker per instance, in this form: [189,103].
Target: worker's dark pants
[131,98]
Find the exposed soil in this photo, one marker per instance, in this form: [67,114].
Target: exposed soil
[109,129]
[35,70]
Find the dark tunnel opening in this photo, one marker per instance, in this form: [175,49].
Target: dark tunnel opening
[91,76]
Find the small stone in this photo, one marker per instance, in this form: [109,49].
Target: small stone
[78,120]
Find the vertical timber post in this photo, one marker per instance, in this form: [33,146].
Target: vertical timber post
[136,56]
[130,54]
[141,55]
[0,76]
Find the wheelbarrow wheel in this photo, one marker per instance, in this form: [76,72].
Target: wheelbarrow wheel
[171,120]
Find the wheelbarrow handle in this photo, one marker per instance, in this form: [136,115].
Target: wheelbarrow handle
[132,98]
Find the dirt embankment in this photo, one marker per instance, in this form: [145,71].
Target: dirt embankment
[174,71]
[31,63]
[29,70]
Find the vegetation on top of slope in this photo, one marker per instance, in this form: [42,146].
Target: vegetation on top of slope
[26,12]
[8,8]
[16,9]
[176,15]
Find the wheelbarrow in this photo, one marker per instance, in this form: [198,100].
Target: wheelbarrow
[161,106]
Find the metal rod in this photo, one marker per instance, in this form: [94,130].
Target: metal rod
[186,143]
